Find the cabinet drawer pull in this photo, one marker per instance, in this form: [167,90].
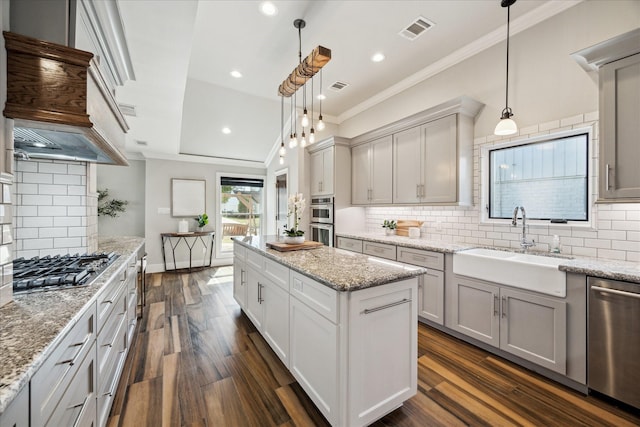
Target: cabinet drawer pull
[260,286]
[72,361]
[495,304]
[114,381]
[606,176]
[76,423]
[615,291]
[419,258]
[78,405]
[241,277]
[383,307]
[504,306]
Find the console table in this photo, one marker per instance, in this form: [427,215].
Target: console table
[207,239]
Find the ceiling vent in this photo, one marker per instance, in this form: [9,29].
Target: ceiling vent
[416,28]
[143,143]
[338,86]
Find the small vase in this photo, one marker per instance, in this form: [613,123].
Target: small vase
[200,229]
[389,232]
[294,240]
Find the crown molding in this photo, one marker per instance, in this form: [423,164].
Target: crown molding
[540,14]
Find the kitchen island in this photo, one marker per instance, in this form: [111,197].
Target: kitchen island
[344,324]
[35,326]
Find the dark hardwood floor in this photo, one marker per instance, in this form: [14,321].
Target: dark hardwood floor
[198,361]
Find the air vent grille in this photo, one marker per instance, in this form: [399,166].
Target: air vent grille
[28,138]
[143,143]
[338,86]
[416,28]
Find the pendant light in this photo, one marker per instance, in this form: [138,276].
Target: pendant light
[506,126]
[282,150]
[312,132]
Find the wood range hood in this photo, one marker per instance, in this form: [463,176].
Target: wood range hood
[60,103]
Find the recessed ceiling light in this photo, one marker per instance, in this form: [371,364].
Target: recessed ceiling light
[321,96]
[237,74]
[268,8]
[378,57]
[226,130]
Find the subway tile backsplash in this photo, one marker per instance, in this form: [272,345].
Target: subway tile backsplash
[614,232]
[53,210]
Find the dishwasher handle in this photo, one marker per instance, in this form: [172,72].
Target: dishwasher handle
[615,291]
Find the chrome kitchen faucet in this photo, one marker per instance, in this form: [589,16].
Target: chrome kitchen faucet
[524,243]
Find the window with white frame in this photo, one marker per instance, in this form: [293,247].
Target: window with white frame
[549,177]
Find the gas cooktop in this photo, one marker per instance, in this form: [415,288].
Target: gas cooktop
[60,271]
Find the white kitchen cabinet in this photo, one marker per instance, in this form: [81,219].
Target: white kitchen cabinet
[372,172]
[254,308]
[425,163]
[525,324]
[17,413]
[619,130]
[275,325]
[382,349]
[314,357]
[322,163]
[431,296]
[55,377]
[239,276]
[381,250]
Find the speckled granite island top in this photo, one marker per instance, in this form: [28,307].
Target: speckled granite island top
[341,270]
[597,267]
[32,324]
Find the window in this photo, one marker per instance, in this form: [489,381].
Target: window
[240,209]
[548,177]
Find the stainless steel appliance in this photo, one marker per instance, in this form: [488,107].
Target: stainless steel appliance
[60,271]
[322,220]
[322,210]
[322,233]
[614,339]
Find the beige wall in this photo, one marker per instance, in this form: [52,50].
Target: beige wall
[158,174]
[545,83]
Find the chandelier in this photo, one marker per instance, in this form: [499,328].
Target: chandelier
[301,74]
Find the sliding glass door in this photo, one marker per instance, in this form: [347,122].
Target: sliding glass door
[241,209]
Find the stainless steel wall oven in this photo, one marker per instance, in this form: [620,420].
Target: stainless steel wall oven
[322,220]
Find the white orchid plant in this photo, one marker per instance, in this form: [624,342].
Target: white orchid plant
[295,210]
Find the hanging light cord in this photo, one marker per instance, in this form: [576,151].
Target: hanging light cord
[506,101]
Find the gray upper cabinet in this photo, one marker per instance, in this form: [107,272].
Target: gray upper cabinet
[372,172]
[617,62]
[619,130]
[426,163]
[426,158]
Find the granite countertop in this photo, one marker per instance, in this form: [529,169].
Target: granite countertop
[341,270]
[597,267]
[32,325]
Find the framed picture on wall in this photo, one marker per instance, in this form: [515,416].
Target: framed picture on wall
[188,197]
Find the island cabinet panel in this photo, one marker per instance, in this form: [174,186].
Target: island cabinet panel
[319,297]
[17,414]
[314,357]
[431,296]
[240,275]
[254,308]
[276,319]
[383,345]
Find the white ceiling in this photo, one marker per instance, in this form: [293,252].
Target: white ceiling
[184,50]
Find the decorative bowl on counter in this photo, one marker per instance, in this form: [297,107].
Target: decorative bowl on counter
[294,240]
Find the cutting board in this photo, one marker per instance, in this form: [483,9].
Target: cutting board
[403,226]
[286,247]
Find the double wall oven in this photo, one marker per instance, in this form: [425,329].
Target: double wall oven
[322,220]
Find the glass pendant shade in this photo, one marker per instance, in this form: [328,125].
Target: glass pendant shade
[282,150]
[293,142]
[312,136]
[305,119]
[506,126]
[303,140]
[320,125]
[281,160]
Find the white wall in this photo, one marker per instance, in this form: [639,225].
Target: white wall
[158,174]
[124,183]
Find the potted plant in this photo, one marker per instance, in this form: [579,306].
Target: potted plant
[389,227]
[295,209]
[203,220]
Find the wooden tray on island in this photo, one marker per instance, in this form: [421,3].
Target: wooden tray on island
[286,247]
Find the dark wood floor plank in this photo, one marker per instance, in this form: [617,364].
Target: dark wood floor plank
[199,361]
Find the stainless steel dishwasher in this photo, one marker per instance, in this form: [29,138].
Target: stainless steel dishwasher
[614,339]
